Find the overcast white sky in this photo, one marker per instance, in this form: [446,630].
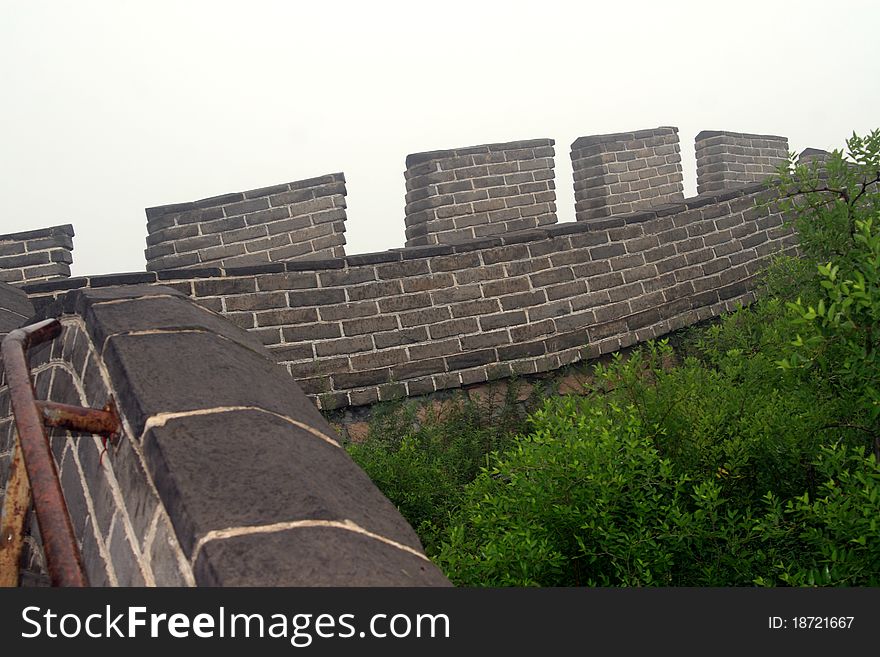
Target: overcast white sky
[108,107]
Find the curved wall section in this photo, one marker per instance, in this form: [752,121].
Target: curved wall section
[378,326]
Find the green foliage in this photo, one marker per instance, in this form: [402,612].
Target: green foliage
[841,333]
[838,527]
[826,201]
[421,457]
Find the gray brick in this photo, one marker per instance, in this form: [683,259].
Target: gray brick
[434,349]
[476,307]
[605,281]
[405,302]
[315,297]
[286,316]
[267,216]
[453,327]
[501,320]
[288,281]
[401,337]
[374,290]
[257,301]
[506,286]
[423,284]
[552,276]
[402,269]
[242,234]
[369,325]
[378,359]
[307,332]
[348,310]
[347,276]
[485,339]
[418,368]
[566,290]
[425,316]
[344,346]
[523,300]
[289,352]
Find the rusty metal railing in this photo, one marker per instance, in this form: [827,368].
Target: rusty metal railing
[63,560]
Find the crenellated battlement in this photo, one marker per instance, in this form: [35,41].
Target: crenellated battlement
[489,284]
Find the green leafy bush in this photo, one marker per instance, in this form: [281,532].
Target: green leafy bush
[421,456]
[681,476]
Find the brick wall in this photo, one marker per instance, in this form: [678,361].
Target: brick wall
[813,155]
[726,160]
[377,326]
[226,475]
[15,308]
[459,194]
[293,221]
[625,172]
[36,255]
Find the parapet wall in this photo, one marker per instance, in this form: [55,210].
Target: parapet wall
[294,221]
[726,160]
[464,193]
[625,172]
[379,326]
[36,255]
[226,474]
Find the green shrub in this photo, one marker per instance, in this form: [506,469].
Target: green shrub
[695,475]
[421,456]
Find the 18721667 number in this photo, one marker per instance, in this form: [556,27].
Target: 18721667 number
[821,622]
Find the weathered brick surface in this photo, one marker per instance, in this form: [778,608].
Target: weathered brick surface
[294,221]
[36,255]
[625,172]
[461,194]
[726,160]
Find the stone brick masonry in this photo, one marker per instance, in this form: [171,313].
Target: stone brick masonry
[726,160]
[625,172]
[293,221]
[461,194]
[378,326]
[36,255]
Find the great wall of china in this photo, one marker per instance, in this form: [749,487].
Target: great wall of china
[227,473]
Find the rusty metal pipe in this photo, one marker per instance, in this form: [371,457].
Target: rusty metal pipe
[76,418]
[59,543]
